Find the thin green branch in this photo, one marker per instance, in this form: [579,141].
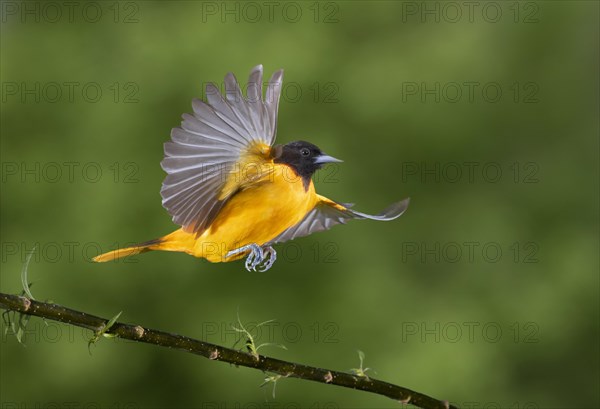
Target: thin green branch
[214,352]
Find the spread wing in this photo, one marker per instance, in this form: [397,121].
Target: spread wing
[211,141]
[328,213]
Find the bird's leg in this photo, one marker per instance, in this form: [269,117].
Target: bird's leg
[256,256]
[269,252]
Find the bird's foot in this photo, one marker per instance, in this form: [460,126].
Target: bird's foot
[269,257]
[258,258]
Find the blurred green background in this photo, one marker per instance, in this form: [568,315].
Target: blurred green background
[485,293]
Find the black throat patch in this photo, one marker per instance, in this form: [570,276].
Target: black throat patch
[300,156]
[299,171]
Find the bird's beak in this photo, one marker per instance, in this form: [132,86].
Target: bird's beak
[326,159]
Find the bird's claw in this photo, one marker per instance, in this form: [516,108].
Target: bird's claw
[256,257]
[269,257]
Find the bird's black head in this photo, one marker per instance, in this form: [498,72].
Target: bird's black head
[304,157]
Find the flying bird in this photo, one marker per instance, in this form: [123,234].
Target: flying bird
[232,190]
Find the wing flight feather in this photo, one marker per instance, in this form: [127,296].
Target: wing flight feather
[204,150]
[328,213]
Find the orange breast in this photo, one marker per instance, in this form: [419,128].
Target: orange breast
[257,214]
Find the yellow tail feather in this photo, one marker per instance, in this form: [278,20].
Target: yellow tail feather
[176,241]
[128,251]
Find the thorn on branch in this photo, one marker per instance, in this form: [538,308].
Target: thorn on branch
[139,331]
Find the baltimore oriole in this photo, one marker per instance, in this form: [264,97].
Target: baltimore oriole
[234,192]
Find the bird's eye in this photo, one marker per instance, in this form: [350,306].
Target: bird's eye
[305,152]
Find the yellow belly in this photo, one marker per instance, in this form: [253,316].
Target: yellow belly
[257,214]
